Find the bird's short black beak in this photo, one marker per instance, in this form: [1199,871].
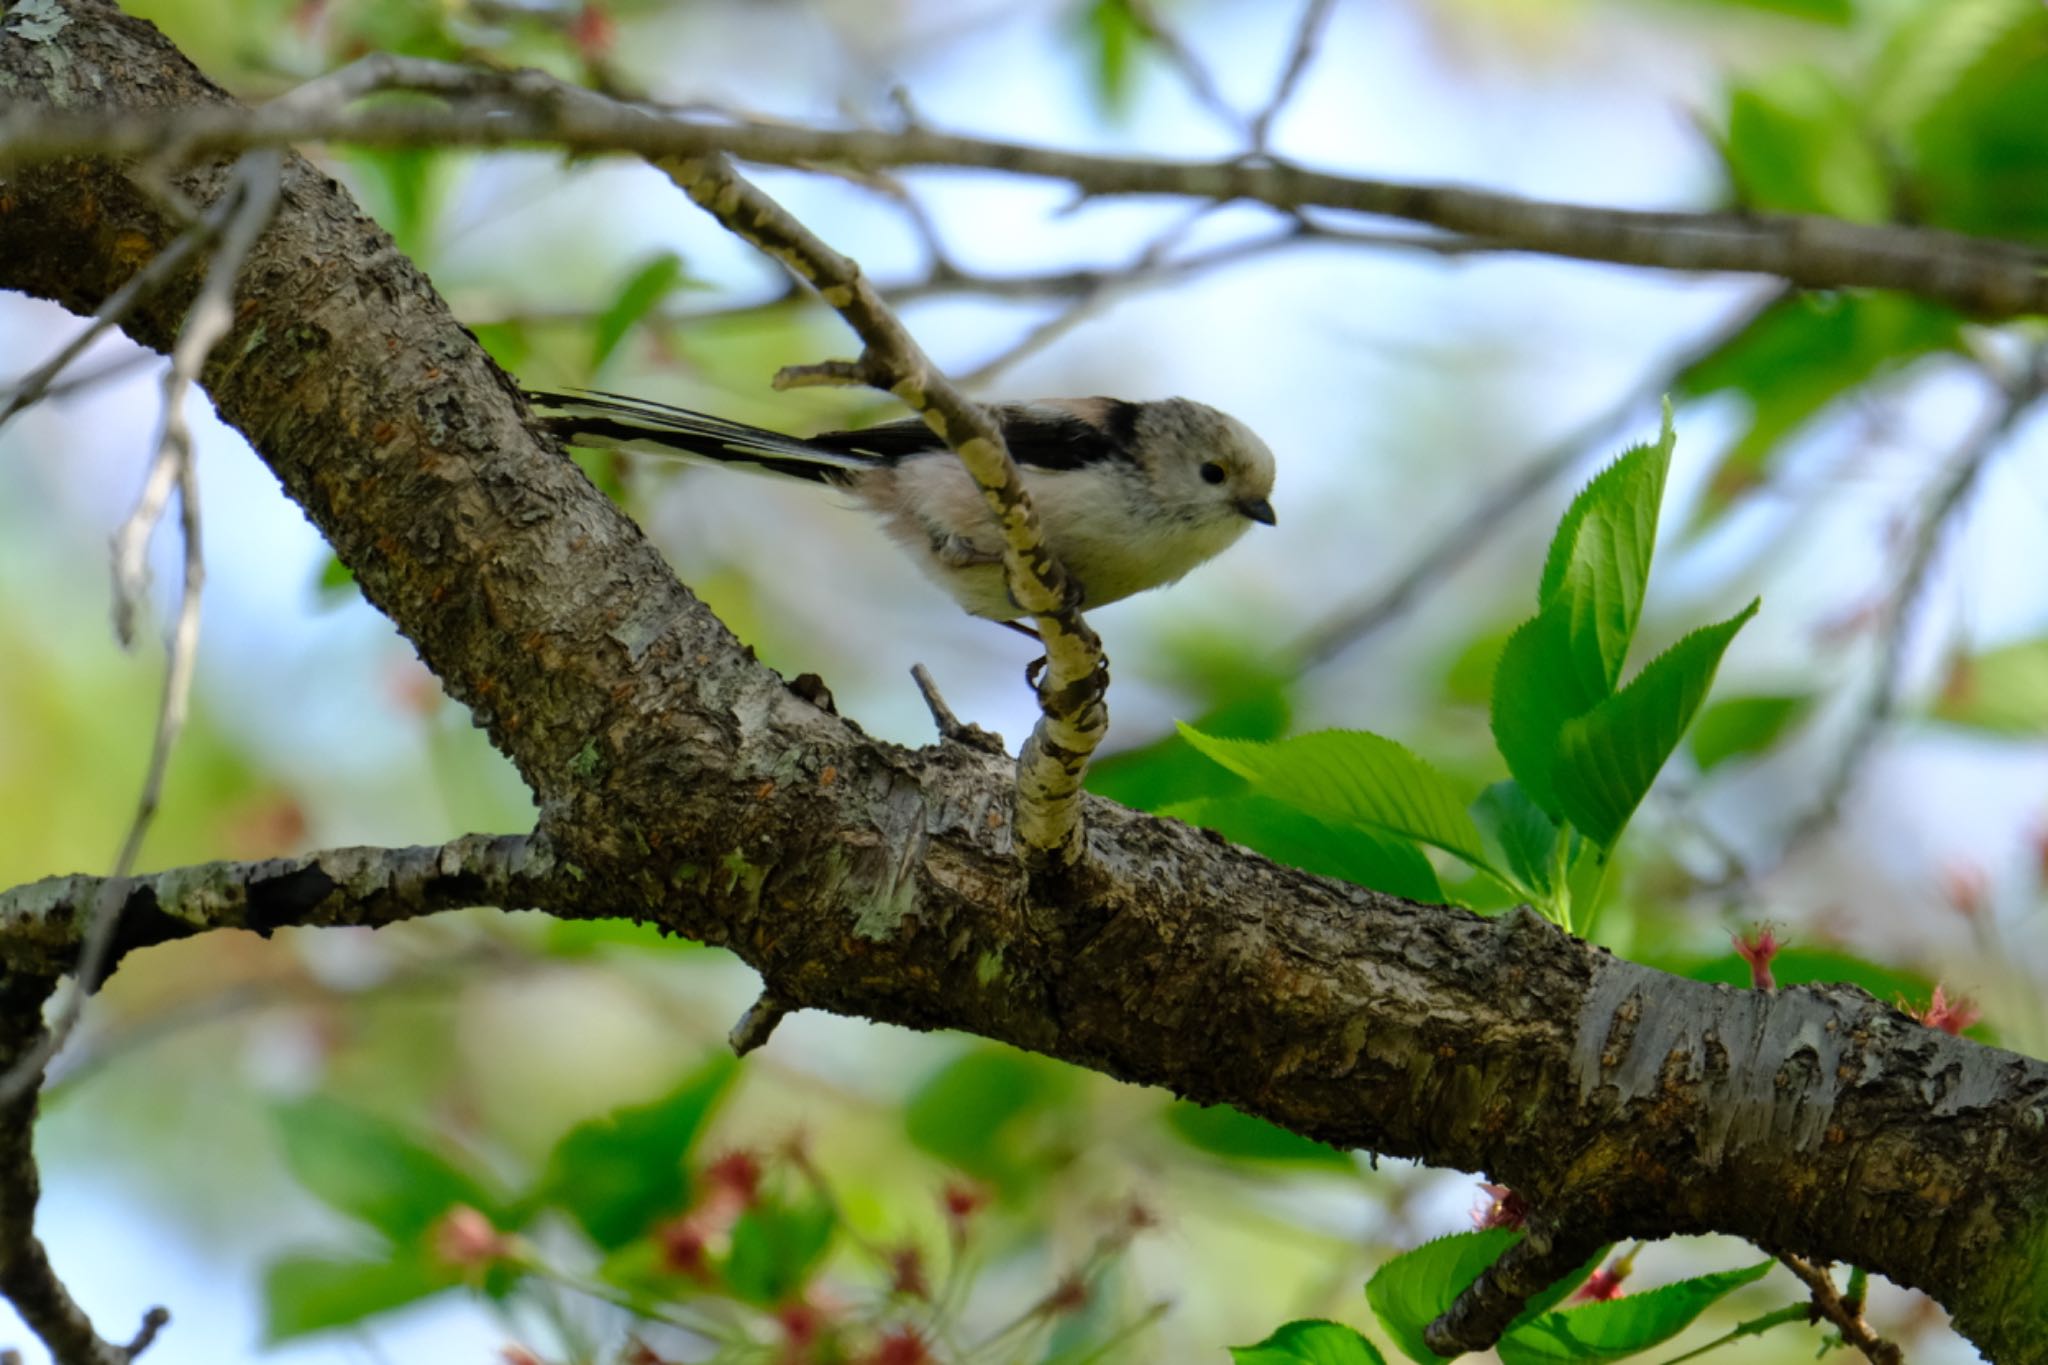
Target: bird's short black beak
[1258,509]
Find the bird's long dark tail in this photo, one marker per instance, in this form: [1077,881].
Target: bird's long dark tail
[612,421]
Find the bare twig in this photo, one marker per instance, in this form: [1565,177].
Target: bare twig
[1307,34]
[951,728]
[1990,278]
[254,190]
[1073,716]
[1472,532]
[1946,501]
[34,385]
[1182,58]
[1847,1319]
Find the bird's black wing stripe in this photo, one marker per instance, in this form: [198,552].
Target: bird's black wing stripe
[1039,438]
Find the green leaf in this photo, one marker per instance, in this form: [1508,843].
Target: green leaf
[1356,778]
[1537,690]
[1621,1327]
[1169,771]
[1310,1342]
[641,293]
[335,585]
[620,1174]
[1285,834]
[775,1247]
[305,1294]
[2004,690]
[1599,560]
[1608,758]
[974,1112]
[1521,835]
[1226,1132]
[1413,1289]
[1979,162]
[1117,38]
[1742,726]
[1800,355]
[1797,143]
[369,1168]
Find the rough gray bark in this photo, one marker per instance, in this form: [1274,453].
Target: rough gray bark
[682,782]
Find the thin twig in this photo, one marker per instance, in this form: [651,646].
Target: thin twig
[1984,277]
[1073,718]
[1307,34]
[36,384]
[951,728]
[254,189]
[758,1023]
[1945,503]
[1829,1304]
[1182,58]
[1473,531]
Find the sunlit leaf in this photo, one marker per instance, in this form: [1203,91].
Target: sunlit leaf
[1223,1131]
[371,1169]
[1356,778]
[974,1112]
[306,1294]
[1742,726]
[775,1247]
[642,292]
[1310,1342]
[1414,1289]
[1608,758]
[619,1174]
[1352,853]
[2004,690]
[1618,1328]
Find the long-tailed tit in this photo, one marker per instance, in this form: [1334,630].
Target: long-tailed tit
[1130,495]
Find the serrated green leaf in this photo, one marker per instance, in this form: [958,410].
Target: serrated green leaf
[1357,778]
[371,1169]
[1521,834]
[306,1294]
[1310,1342]
[1224,1131]
[974,1112]
[619,1174]
[1608,758]
[1599,560]
[1351,853]
[1621,1327]
[642,292]
[775,1247]
[1537,690]
[1413,1289]
[1742,726]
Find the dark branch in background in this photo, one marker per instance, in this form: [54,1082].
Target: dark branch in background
[1473,531]
[1946,502]
[1985,277]
[252,197]
[1847,1317]
[1055,759]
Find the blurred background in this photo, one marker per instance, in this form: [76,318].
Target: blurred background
[1869,783]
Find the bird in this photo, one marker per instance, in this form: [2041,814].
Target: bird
[1130,495]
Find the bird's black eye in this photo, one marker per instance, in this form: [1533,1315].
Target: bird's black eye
[1212,472]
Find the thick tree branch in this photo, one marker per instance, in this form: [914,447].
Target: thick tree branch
[681,781]
[42,924]
[1984,277]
